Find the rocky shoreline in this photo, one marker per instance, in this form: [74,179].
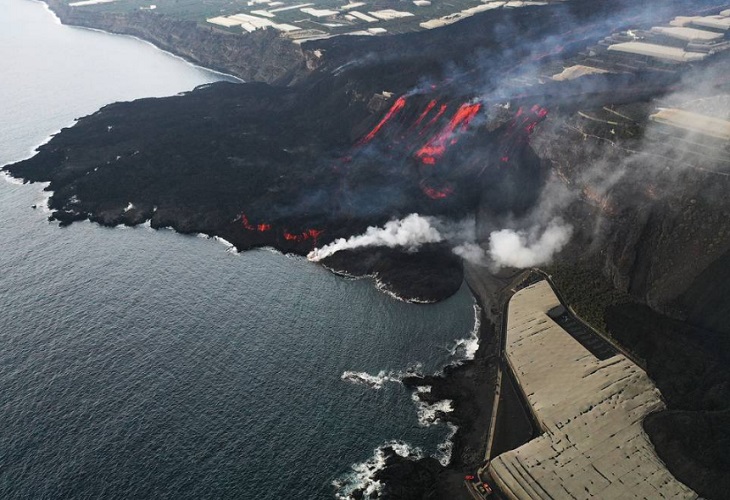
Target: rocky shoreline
[470,386]
[291,167]
[424,277]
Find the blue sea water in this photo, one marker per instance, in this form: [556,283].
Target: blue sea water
[144,364]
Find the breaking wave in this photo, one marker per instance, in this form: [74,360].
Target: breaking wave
[362,475]
[10,179]
[372,381]
[383,287]
[465,349]
[377,381]
[430,414]
[230,247]
[444,449]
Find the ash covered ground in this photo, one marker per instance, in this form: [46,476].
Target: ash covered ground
[503,164]
[383,128]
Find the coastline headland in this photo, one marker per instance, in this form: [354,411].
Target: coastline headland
[258,56]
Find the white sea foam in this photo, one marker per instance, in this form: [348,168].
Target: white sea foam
[362,475]
[343,274]
[377,381]
[283,254]
[444,450]
[10,179]
[465,349]
[430,414]
[363,378]
[230,247]
[272,250]
[53,14]
[45,199]
[381,286]
[45,195]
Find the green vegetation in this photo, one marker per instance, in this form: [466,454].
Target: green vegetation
[588,292]
[340,23]
[195,10]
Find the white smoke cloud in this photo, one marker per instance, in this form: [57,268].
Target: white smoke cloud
[528,248]
[411,232]
[507,247]
[472,252]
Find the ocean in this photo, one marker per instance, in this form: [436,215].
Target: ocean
[145,364]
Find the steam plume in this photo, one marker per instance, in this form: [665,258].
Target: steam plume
[528,248]
[472,252]
[410,232]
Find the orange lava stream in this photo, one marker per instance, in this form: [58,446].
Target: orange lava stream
[397,106]
[436,146]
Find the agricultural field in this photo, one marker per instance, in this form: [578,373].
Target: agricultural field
[302,20]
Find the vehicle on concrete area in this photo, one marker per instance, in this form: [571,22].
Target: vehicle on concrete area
[480,486]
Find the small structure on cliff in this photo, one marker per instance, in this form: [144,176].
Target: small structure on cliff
[693,122]
[663,52]
[590,410]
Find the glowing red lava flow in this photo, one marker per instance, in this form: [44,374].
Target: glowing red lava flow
[426,111]
[261,228]
[436,194]
[522,125]
[309,234]
[397,106]
[539,114]
[528,120]
[436,146]
[435,118]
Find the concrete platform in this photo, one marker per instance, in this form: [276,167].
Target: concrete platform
[590,410]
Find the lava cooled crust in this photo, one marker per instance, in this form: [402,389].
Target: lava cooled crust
[362,140]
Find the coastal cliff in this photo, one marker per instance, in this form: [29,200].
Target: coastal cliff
[648,211]
[261,56]
[648,263]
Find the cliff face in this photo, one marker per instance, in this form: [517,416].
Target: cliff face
[665,250]
[648,211]
[259,56]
